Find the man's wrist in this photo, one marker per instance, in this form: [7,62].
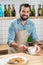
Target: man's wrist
[36,43]
[14,45]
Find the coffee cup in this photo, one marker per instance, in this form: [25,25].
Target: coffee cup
[32,50]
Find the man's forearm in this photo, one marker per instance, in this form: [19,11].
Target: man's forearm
[36,43]
[14,45]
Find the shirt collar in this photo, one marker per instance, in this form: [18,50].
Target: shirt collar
[19,21]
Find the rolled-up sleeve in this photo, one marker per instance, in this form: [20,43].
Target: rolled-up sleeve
[34,35]
[11,34]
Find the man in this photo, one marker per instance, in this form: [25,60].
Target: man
[19,31]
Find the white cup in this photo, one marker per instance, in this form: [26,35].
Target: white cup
[32,50]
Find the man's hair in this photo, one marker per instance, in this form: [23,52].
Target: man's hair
[25,5]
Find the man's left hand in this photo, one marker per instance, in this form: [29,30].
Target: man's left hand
[38,49]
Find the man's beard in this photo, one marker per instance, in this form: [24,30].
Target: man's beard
[23,18]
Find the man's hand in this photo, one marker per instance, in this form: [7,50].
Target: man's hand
[19,47]
[23,48]
[38,49]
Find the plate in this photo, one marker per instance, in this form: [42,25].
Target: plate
[5,60]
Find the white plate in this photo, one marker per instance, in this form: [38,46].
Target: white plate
[5,60]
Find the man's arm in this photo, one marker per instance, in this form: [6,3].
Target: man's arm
[11,34]
[14,45]
[34,35]
[35,39]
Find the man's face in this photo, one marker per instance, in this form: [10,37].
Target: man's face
[24,13]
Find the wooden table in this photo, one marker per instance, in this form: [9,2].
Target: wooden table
[3,48]
[32,60]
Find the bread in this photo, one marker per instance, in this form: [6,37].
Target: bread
[16,60]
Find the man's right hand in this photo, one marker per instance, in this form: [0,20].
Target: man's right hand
[23,48]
